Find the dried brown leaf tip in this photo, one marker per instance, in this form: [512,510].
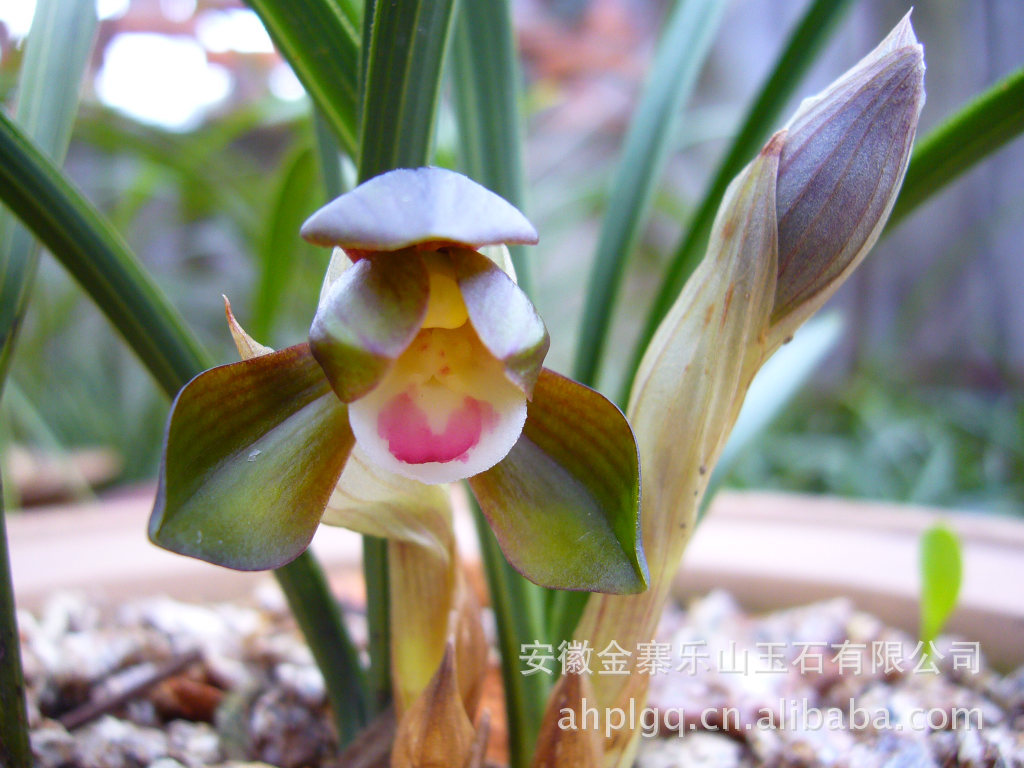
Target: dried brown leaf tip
[567,738]
[435,732]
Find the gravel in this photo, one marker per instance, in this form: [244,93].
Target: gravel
[233,685]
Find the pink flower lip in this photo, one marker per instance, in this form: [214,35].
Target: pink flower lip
[411,440]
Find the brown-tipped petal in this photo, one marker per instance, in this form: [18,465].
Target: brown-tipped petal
[417,205]
[370,315]
[564,502]
[246,345]
[841,168]
[504,319]
[570,735]
[435,732]
[251,454]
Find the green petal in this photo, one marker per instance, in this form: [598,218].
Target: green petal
[251,455]
[503,317]
[369,316]
[564,503]
[417,205]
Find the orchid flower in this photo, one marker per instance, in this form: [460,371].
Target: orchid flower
[426,356]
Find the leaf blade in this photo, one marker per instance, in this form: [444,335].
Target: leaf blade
[487,94]
[320,40]
[403,84]
[680,54]
[941,570]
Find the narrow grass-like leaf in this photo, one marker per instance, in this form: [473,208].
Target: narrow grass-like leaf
[487,94]
[296,195]
[15,751]
[58,48]
[519,614]
[319,615]
[60,40]
[811,32]
[940,579]
[320,39]
[403,84]
[980,128]
[681,53]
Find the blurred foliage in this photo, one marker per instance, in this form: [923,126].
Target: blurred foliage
[875,438]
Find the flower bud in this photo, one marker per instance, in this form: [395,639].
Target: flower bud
[845,154]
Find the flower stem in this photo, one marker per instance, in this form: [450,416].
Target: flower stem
[15,751]
[316,611]
[518,610]
[375,572]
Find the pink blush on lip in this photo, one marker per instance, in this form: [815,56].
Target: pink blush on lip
[410,439]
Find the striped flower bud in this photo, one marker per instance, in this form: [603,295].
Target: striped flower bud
[845,154]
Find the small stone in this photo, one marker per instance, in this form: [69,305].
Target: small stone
[113,743]
[52,745]
[695,750]
[306,682]
[194,744]
[285,733]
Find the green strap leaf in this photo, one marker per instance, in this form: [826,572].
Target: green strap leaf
[518,607]
[801,50]
[681,53]
[564,503]
[252,453]
[403,84]
[297,192]
[978,129]
[57,50]
[487,90]
[15,750]
[320,39]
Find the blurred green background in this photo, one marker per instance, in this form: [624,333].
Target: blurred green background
[196,140]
